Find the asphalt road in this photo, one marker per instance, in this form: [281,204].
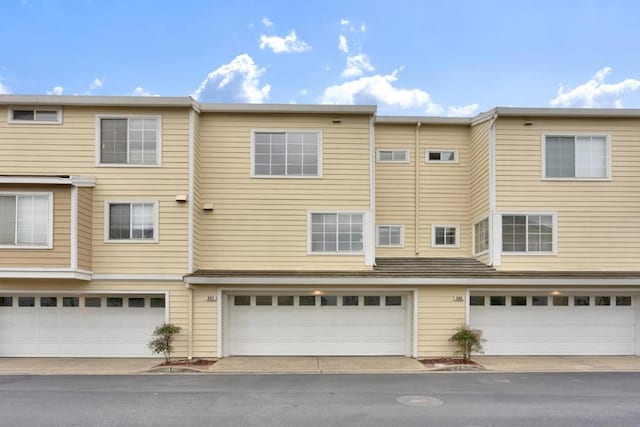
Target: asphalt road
[463,399]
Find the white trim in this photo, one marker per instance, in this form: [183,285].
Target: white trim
[107,219]
[543,139]
[370,219]
[416,296]
[44,273]
[252,162]
[191,191]
[12,121]
[136,277]
[404,150]
[49,244]
[456,156]
[220,335]
[554,224]
[473,236]
[445,245]
[72,292]
[401,245]
[467,306]
[74,229]
[157,117]
[365,218]
[83,181]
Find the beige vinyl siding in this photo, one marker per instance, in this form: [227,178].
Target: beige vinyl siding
[70,149]
[60,255]
[85,227]
[598,222]
[438,318]
[205,322]
[197,188]
[261,223]
[479,176]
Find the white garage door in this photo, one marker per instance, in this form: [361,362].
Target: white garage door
[583,324]
[305,325]
[68,325]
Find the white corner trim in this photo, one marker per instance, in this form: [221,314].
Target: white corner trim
[191,191]
[74,229]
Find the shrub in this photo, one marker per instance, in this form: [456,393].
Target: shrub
[467,341]
[162,340]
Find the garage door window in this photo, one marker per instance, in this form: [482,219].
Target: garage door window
[241,300]
[26,302]
[114,302]
[581,301]
[519,300]
[393,300]
[603,300]
[136,302]
[623,301]
[560,301]
[157,302]
[48,302]
[92,302]
[497,300]
[371,300]
[307,300]
[329,300]
[476,300]
[539,301]
[264,300]
[6,301]
[285,300]
[70,302]
[350,301]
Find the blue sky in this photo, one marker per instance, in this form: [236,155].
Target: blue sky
[408,57]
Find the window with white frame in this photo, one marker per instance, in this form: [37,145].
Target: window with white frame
[337,232]
[129,141]
[25,220]
[287,154]
[390,235]
[441,156]
[393,156]
[39,115]
[131,221]
[481,236]
[445,236]
[528,233]
[578,157]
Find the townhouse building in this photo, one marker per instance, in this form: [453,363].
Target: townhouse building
[315,229]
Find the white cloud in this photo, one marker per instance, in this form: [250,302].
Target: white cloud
[304,92]
[237,81]
[379,89]
[97,84]
[57,90]
[4,90]
[363,28]
[140,91]
[342,44]
[357,65]
[286,44]
[467,110]
[267,22]
[345,22]
[595,93]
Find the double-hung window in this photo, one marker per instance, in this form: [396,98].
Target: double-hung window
[576,157]
[341,232]
[481,236]
[133,141]
[390,235]
[131,221]
[287,154]
[25,220]
[446,236]
[532,233]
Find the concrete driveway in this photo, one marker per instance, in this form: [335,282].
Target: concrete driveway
[559,363]
[318,365]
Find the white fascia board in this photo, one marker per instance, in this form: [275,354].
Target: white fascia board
[83,181]
[287,108]
[102,101]
[425,120]
[138,277]
[567,112]
[78,181]
[10,273]
[408,281]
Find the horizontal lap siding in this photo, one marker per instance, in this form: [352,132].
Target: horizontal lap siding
[60,255]
[197,188]
[479,177]
[70,149]
[85,227]
[262,223]
[205,322]
[438,318]
[598,222]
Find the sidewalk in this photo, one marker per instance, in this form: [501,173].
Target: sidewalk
[559,363]
[74,365]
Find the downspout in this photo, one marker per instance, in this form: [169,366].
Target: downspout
[417,186]
[493,255]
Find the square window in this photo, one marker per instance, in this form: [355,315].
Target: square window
[24,220]
[603,300]
[70,302]
[328,300]
[286,154]
[307,300]
[114,302]
[560,301]
[264,300]
[371,300]
[390,235]
[26,302]
[392,300]
[497,300]
[518,300]
[6,301]
[350,300]
[444,236]
[476,300]
[129,141]
[527,233]
[539,300]
[625,301]
[337,232]
[136,302]
[156,302]
[581,301]
[241,300]
[285,300]
[93,302]
[131,221]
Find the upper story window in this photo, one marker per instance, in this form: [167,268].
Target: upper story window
[441,156]
[445,236]
[532,233]
[481,236]
[341,232]
[131,221]
[132,141]
[36,115]
[390,236]
[26,220]
[576,157]
[286,154]
[393,156]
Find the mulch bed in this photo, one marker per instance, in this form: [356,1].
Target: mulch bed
[200,363]
[447,361]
